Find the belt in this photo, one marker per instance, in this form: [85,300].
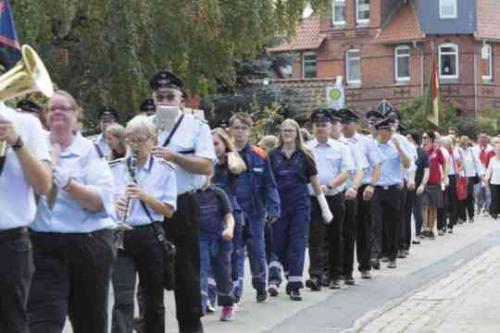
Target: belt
[60,234]
[12,233]
[388,187]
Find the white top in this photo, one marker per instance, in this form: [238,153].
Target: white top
[453,161]
[494,170]
[156,177]
[83,163]
[17,199]
[192,138]
[332,158]
[472,165]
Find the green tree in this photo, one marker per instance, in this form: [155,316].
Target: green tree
[104,51]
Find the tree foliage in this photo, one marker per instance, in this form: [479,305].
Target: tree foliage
[104,51]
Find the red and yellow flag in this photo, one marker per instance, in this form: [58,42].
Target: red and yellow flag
[433,97]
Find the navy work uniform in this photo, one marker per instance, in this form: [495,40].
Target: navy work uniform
[190,136]
[141,253]
[227,181]
[73,248]
[257,194]
[215,252]
[386,203]
[17,207]
[332,158]
[290,231]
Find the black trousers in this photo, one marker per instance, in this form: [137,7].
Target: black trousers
[16,270]
[452,201]
[144,255]
[495,200]
[349,235]
[325,241]
[363,231]
[386,216]
[442,213]
[405,242]
[71,278]
[183,230]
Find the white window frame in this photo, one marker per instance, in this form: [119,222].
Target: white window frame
[489,77]
[442,4]
[457,62]
[334,4]
[362,21]
[303,64]
[347,63]
[397,77]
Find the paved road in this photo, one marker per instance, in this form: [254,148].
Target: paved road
[372,305]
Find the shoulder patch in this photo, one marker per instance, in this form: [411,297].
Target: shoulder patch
[260,152]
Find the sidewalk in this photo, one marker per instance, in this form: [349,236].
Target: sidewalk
[466,300]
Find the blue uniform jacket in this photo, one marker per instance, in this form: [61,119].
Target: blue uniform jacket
[259,183]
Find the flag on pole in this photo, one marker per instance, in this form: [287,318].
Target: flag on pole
[10,50]
[432,107]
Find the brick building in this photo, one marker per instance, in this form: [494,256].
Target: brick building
[385,49]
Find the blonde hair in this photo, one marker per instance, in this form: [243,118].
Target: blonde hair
[268,142]
[235,163]
[141,122]
[299,140]
[464,140]
[119,132]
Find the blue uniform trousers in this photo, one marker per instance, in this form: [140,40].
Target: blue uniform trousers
[215,258]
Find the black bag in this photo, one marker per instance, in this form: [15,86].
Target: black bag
[168,248]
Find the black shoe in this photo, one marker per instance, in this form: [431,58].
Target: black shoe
[431,235]
[471,220]
[261,296]
[335,284]
[422,235]
[384,259]
[375,263]
[325,281]
[273,290]
[366,275]
[295,295]
[450,231]
[313,284]
[349,280]
[416,241]
[401,254]
[392,264]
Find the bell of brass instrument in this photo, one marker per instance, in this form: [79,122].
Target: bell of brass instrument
[27,76]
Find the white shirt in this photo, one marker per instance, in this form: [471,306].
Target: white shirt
[156,178]
[83,163]
[472,165]
[192,138]
[17,199]
[494,169]
[332,158]
[453,161]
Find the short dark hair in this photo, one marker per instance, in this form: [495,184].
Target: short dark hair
[243,117]
[431,135]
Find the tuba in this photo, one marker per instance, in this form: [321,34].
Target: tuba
[27,76]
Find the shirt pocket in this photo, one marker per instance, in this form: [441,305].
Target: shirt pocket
[335,162]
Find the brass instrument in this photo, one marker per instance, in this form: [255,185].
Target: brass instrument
[27,76]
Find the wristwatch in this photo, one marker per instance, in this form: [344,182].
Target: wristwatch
[18,144]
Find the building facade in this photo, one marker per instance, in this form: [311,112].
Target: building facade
[385,49]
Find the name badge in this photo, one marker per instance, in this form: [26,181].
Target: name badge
[258,169]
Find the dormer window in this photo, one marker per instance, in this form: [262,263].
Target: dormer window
[448,9]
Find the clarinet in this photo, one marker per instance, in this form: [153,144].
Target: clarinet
[132,171]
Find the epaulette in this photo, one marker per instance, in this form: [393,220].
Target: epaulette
[168,164]
[116,162]
[260,152]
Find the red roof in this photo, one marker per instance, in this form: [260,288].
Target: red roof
[402,27]
[307,37]
[488,16]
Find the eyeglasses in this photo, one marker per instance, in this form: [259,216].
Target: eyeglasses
[288,131]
